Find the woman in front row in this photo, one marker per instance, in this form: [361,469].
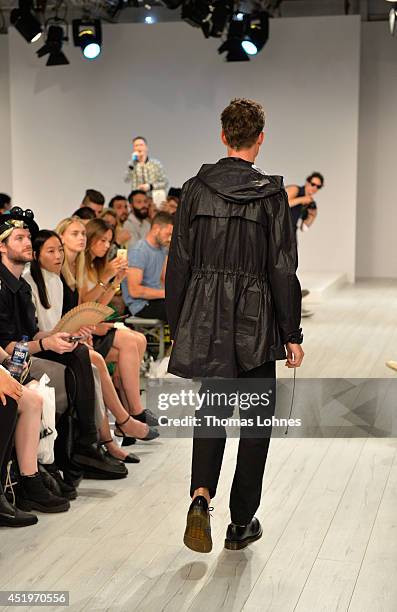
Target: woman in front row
[48,296]
[89,278]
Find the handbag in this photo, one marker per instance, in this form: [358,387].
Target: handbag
[48,433]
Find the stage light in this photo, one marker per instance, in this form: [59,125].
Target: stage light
[235,36]
[149,19]
[257,33]
[220,15]
[88,36]
[249,47]
[197,13]
[25,22]
[247,35]
[209,15]
[53,46]
[392,20]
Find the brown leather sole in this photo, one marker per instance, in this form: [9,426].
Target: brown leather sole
[198,532]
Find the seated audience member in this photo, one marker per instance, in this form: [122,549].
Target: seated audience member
[5,203]
[47,291]
[122,346]
[85,213]
[121,236]
[18,318]
[94,199]
[137,223]
[119,205]
[20,417]
[143,289]
[170,205]
[175,192]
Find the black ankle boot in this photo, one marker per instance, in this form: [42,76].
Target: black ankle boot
[10,516]
[66,490]
[34,495]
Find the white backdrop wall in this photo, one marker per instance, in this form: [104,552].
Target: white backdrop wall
[71,125]
[5,119]
[377,193]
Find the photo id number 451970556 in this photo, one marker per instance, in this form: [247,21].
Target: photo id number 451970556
[34,598]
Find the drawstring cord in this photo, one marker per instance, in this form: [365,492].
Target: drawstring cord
[9,484]
[292,402]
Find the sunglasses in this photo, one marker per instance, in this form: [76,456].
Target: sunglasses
[315,185]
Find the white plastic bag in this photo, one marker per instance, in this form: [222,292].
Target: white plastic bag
[48,433]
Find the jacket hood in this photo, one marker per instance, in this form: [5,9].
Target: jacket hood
[237,180]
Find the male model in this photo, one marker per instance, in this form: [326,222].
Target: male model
[233,303]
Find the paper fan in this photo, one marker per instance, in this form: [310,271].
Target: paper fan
[90,313]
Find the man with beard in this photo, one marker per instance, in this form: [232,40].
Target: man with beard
[138,223]
[143,289]
[18,319]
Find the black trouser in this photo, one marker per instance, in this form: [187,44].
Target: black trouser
[8,419]
[83,396]
[154,310]
[208,446]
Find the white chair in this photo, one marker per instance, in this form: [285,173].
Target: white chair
[154,327]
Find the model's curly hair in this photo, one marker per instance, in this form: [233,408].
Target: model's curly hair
[242,122]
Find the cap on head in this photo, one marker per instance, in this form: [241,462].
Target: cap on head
[16,218]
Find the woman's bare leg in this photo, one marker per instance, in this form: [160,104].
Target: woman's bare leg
[132,427]
[27,432]
[141,342]
[128,361]
[106,434]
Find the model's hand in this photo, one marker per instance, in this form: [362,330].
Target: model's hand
[306,200]
[295,355]
[9,386]
[59,343]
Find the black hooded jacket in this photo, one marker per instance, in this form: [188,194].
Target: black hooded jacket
[233,299]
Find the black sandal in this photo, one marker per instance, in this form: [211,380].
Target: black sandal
[130,458]
[151,435]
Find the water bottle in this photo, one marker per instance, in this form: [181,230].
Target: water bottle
[19,357]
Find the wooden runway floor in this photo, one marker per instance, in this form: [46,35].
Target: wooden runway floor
[328,509]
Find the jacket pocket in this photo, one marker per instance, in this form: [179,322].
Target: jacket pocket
[248,312]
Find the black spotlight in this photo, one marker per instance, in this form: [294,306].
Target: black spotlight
[25,22]
[53,46]
[235,36]
[197,13]
[257,33]
[87,34]
[209,15]
[247,35]
[220,15]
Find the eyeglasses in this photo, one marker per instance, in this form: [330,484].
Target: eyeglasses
[315,185]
